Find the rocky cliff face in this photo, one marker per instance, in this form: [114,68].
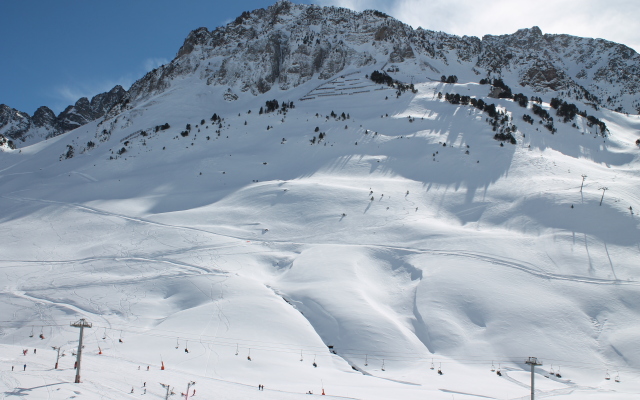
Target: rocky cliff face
[286,45]
[23,129]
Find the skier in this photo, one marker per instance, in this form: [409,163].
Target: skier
[25,367]
[34,351]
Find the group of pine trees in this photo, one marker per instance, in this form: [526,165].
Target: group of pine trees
[274,105]
[383,78]
[499,122]
[449,79]
[162,127]
[466,100]
[568,112]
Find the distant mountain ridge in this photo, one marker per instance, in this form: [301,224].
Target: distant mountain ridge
[288,44]
[21,128]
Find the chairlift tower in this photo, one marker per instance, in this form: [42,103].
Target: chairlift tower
[604,189]
[170,391]
[533,361]
[186,395]
[80,324]
[57,348]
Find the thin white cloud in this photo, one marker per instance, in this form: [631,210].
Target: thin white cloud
[67,94]
[614,20]
[153,63]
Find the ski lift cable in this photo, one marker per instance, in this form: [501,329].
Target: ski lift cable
[451,360]
[274,345]
[282,347]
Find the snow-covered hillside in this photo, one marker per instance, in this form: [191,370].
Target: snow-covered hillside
[307,250]
[289,44]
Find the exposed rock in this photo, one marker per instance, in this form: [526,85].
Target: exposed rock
[25,130]
[288,44]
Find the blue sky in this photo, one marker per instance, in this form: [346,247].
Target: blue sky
[54,52]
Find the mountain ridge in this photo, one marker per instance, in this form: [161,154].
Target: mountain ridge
[288,44]
[20,127]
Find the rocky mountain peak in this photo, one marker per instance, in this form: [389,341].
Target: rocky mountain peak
[287,44]
[44,117]
[24,129]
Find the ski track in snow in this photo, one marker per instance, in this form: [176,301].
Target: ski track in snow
[136,287]
[519,265]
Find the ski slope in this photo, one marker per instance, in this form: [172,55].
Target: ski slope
[384,240]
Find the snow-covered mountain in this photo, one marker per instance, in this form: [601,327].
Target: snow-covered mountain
[352,226]
[288,44]
[23,129]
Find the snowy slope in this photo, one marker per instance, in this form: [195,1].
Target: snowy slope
[405,238]
[239,242]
